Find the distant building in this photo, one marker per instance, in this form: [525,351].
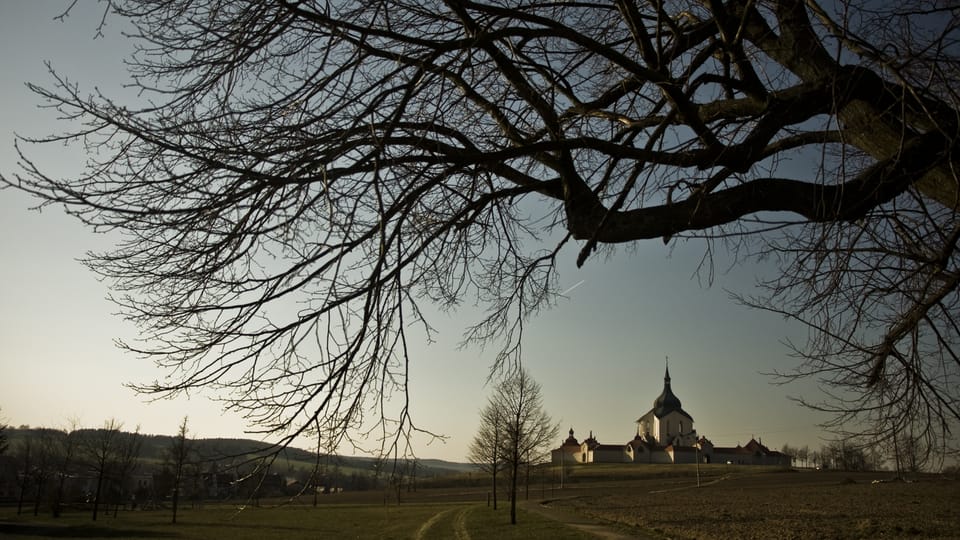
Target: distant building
[665,434]
[667,423]
[753,453]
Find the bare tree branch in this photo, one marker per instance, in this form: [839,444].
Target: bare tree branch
[300,178]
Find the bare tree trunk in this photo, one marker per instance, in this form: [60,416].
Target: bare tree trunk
[494,488]
[41,482]
[23,491]
[58,497]
[119,501]
[896,455]
[26,453]
[176,498]
[96,495]
[179,453]
[514,466]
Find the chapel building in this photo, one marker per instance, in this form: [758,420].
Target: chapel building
[667,423]
[665,434]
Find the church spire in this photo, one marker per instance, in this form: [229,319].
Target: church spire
[667,401]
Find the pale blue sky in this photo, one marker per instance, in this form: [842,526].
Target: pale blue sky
[599,354]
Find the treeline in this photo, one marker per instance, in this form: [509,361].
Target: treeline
[50,470]
[47,469]
[836,455]
[901,455]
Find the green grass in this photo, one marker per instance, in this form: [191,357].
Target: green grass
[426,521]
[486,523]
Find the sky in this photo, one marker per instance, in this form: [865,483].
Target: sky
[599,354]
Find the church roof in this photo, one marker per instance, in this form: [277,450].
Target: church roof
[571,440]
[667,402]
[640,442]
[591,442]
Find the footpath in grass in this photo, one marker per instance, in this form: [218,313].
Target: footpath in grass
[478,522]
[407,521]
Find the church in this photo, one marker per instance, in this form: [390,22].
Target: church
[665,434]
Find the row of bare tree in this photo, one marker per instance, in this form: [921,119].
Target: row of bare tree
[514,428]
[60,468]
[904,454]
[57,467]
[47,459]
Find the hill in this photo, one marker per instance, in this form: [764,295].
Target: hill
[232,452]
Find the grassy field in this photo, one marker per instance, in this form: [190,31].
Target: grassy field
[654,502]
[789,505]
[407,521]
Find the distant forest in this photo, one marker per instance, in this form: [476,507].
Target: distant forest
[153,450]
[50,469]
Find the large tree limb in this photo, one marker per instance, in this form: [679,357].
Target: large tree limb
[814,202]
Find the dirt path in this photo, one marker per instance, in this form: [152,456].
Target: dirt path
[693,486]
[588,525]
[440,519]
[422,531]
[460,524]
[452,522]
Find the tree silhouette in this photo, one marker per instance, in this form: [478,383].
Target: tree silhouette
[128,455]
[177,456]
[526,427]
[25,455]
[67,447]
[4,443]
[102,449]
[486,448]
[514,428]
[300,177]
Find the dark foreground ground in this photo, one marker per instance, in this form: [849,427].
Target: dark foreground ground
[797,505]
[594,503]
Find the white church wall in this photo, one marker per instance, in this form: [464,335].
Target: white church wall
[566,455]
[672,425]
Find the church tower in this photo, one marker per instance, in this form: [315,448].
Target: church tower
[667,423]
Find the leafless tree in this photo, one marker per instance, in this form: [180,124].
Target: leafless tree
[299,177]
[788,450]
[32,460]
[850,454]
[44,463]
[102,450]
[4,443]
[403,474]
[526,427]
[485,449]
[178,455]
[66,456]
[913,447]
[25,456]
[128,456]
